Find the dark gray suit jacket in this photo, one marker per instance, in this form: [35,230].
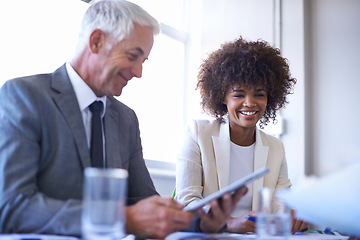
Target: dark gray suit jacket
[43,152]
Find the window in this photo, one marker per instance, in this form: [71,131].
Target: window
[158,98]
[38,36]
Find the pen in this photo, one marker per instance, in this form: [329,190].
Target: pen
[251,218]
[328,231]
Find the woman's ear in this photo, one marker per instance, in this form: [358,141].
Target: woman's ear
[224,100]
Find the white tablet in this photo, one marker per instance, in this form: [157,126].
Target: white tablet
[228,189]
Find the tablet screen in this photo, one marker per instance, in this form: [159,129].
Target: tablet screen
[228,189]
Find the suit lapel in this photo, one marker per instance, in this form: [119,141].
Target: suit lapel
[260,159]
[111,128]
[64,97]
[222,154]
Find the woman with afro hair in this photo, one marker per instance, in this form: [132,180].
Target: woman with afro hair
[243,84]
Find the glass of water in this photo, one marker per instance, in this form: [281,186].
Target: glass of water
[104,196]
[273,217]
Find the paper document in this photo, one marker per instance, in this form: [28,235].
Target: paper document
[207,236]
[32,236]
[332,201]
[227,236]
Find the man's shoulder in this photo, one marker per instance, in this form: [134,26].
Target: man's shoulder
[29,79]
[37,79]
[31,84]
[119,106]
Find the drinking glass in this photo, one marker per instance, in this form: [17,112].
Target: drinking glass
[273,217]
[104,197]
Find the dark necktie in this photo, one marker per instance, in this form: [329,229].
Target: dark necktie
[96,144]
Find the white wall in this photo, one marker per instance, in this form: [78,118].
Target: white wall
[333,82]
[226,20]
[292,47]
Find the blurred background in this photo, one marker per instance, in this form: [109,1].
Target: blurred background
[320,39]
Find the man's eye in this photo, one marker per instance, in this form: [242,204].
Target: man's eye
[133,57]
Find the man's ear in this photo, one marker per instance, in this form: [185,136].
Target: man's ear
[96,41]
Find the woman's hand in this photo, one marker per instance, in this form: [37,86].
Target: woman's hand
[220,211]
[244,225]
[241,224]
[297,225]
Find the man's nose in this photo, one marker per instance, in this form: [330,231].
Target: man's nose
[137,70]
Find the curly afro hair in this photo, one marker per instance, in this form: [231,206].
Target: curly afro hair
[248,64]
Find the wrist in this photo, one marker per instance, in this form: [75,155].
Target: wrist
[231,226]
[128,216]
[223,229]
[202,228]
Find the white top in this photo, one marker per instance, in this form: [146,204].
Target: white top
[241,165]
[85,97]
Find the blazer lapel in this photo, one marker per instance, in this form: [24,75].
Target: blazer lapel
[64,97]
[111,136]
[222,154]
[260,159]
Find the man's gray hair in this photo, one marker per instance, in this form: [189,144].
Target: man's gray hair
[115,18]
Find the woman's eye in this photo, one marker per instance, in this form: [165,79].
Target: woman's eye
[239,96]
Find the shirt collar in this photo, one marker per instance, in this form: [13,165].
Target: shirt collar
[83,92]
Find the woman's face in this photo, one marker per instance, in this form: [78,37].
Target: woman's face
[245,106]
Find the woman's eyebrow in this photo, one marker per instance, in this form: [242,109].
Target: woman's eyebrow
[237,90]
[242,90]
[259,89]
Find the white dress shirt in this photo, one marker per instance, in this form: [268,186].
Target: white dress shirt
[85,97]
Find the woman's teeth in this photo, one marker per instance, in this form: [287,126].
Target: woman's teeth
[248,113]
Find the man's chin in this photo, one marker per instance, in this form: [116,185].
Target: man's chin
[117,94]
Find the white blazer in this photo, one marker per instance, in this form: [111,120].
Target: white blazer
[203,162]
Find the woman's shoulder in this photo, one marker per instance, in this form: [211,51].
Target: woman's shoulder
[201,125]
[268,139]
[207,122]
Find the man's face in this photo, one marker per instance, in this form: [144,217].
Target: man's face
[113,68]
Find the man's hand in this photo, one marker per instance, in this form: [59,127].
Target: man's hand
[220,211]
[157,217]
